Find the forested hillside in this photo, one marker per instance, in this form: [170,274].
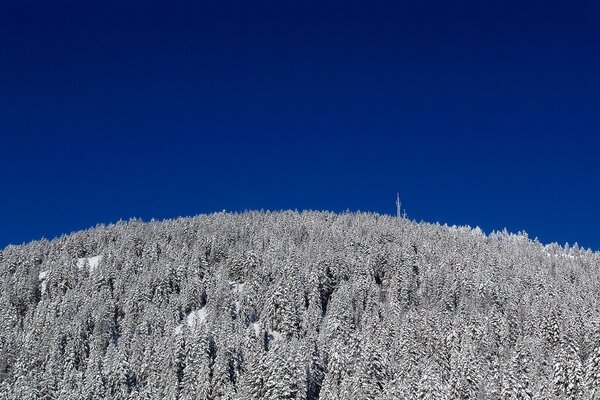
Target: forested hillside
[292,305]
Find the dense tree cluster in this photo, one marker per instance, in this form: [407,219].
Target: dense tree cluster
[292,305]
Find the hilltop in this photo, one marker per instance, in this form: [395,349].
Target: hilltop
[288,305]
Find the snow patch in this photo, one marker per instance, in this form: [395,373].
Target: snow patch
[193,318]
[178,329]
[236,288]
[276,336]
[256,327]
[43,279]
[201,314]
[92,262]
[198,316]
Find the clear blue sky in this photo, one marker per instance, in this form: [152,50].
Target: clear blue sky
[482,113]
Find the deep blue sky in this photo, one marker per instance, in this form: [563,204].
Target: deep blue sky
[479,113]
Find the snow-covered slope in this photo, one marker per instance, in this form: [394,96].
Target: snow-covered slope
[298,306]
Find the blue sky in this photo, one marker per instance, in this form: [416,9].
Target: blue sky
[477,113]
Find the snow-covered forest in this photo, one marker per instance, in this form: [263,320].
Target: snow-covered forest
[290,305]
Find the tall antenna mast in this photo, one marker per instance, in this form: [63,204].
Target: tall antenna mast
[398,206]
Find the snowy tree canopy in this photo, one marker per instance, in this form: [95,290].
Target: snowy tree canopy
[291,305]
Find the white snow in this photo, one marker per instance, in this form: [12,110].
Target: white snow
[560,254]
[236,288]
[193,318]
[92,262]
[198,315]
[42,277]
[276,336]
[256,327]
[201,314]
